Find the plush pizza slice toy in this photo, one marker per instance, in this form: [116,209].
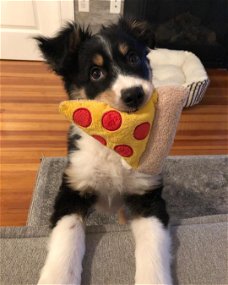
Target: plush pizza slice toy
[125,133]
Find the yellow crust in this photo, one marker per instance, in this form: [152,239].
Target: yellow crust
[123,135]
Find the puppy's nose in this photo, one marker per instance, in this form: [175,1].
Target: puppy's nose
[133,97]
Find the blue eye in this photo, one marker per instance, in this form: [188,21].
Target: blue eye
[133,59]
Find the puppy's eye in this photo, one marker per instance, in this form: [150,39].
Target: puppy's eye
[133,59]
[96,74]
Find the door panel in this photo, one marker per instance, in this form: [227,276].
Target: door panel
[17,18]
[22,20]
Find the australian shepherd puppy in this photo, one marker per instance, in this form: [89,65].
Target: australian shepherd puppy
[110,66]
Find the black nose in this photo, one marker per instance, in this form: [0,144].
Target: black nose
[133,97]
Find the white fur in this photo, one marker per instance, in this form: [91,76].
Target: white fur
[65,253]
[152,252]
[126,81]
[101,169]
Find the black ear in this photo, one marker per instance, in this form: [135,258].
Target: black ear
[58,50]
[141,30]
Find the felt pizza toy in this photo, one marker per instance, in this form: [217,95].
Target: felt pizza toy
[125,133]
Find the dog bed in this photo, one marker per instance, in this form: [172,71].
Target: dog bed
[173,67]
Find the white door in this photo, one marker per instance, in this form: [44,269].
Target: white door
[22,20]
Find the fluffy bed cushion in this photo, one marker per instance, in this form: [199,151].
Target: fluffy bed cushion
[171,67]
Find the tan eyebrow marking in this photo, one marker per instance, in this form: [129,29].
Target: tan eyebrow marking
[123,48]
[98,59]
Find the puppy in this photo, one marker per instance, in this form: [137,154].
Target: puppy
[110,66]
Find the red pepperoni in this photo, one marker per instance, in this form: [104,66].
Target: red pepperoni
[142,131]
[82,117]
[124,150]
[112,120]
[100,139]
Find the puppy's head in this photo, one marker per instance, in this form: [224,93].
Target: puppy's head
[110,66]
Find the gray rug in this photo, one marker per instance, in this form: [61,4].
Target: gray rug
[194,186]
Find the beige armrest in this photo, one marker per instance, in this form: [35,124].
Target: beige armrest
[169,107]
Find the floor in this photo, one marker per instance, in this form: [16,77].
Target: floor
[32,128]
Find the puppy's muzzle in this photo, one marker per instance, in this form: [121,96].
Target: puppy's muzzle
[133,97]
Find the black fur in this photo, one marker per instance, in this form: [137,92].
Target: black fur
[70,54]
[61,51]
[133,29]
[70,201]
[71,51]
[72,141]
[148,205]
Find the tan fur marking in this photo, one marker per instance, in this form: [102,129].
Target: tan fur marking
[78,94]
[122,218]
[98,60]
[123,48]
[107,97]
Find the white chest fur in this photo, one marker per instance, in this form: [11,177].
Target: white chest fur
[95,167]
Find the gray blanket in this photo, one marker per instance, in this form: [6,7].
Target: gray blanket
[193,186]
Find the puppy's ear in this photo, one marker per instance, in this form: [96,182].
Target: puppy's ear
[141,30]
[58,50]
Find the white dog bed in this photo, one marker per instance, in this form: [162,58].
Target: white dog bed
[173,67]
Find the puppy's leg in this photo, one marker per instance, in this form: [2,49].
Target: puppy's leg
[66,250]
[152,251]
[152,240]
[67,241]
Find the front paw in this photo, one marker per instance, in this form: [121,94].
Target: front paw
[49,278]
[54,276]
[52,280]
[46,280]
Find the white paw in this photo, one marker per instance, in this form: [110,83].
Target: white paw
[51,279]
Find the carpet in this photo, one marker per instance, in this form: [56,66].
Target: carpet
[193,186]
